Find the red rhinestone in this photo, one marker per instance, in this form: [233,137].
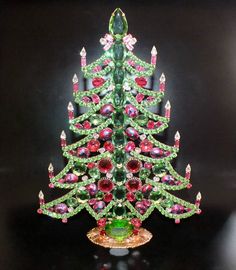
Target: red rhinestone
[139,97]
[150,124]
[130,197]
[146,188]
[102,232]
[91,165]
[105,165]
[93,145]
[105,185]
[130,146]
[39,211]
[92,201]
[109,146]
[87,124]
[95,98]
[150,99]
[101,222]
[148,165]
[105,133]
[146,146]
[86,99]
[98,82]
[78,125]
[133,184]
[133,165]
[141,81]
[158,124]
[136,222]
[83,152]
[131,111]
[107,197]
[135,231]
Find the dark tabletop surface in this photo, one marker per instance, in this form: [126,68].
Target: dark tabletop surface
[39,47]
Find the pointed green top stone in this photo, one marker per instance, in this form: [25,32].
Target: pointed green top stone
[118,25]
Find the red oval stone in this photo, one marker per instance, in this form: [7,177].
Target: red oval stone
[109,146]
[107,197]
[136,222]
[133,165]
[105,185]
[130,197]
[139,97]
[95,98]
[130,146]
[133,184]
[98,82]
[141,81]
[105,165]
[93,145]
[83,152]
[105,133]
[101,222]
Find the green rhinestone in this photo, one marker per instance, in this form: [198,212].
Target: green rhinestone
[144,173]
[139,195]
[155,195]
[159,169]
[119,210]
[118,138]
[79,168]
[118,75]
[94,173]
[99,195]
[141,120]
[96,119]
[82,196]
[118,118]
[119,175]
[167,203]
[119,156]
[119,229]
[118,98]
[118,51]
[72,202]
[118,24]
[119,193]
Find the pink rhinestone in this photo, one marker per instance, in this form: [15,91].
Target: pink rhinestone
[95,98]
[130,146]
[78,125]
[86,99]
[87,124]
[150,124]
[147,165]
[150,99]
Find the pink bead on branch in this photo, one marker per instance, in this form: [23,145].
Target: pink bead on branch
[70,109]
[41,197]
[162,83]
[83,57]
[63,138]
[50,171]
[167,109]
[75,82]
[177,139]
[153,55]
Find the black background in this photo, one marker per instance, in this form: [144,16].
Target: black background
[40,44]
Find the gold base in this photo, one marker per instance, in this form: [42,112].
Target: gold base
[143,237]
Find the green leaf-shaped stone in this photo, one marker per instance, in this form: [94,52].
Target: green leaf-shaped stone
[118,24]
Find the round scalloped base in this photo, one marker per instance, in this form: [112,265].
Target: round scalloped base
[143,237]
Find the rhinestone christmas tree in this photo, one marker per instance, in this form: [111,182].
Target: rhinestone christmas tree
[118,170]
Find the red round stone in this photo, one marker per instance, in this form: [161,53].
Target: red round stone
[146,146]
[107,197]
[105,165]
[93,145]
[132,133]
[133,184]
[97,82]
[135,231]
[130,197]
[136,222]
[83,152]
[131,111]
[101,222]
[91,165]
[108,145]
[141,81]
[87,125]
[146,188]
[148,165]
[130,146]
[105,185]
[150,124]
[133,165]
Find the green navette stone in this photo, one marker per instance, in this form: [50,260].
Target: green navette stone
[141,120]
[118,75]
[139,195]
[83,195]
[118,98]
[94,173]
[96,119]
[119,156]
[118,137]
[159,169]
[155,195]
[118,24]
[119,229]
[79,168]
[118,118]
[144,173]
[72,202]
[119,193]
[167,203]
[119,210]
[119,175]
[118,51]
